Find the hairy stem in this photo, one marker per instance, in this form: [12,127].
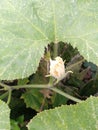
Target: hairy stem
[9,96]
[51,88]
[4,95]
[48,86]
[30,86]
[55,50]
[6,87]
[65,94]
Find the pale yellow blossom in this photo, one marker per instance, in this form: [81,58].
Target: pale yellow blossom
[57,68]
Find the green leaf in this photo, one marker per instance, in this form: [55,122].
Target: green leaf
[82,116]
[33,99]
[58,100]
[4,116]
[26,27]
[14,125]
[90,88]
[23,81]
[22,38]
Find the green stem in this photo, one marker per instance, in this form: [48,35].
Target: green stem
[9,96]
[6,87]
[4,95]
[65,94]
[30,86]
[9,88]
[55,50]
[73,65]
[48,87]
[2,89]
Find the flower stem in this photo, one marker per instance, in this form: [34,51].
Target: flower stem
[65,94]
[6,87]
[30,86]
[9,96]
[4,95]
[55,50]
[48,86]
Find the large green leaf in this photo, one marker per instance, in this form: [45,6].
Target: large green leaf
[27,26]
[22,38]
[83,116]
[4,116]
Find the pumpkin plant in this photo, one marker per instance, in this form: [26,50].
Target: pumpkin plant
[27,27]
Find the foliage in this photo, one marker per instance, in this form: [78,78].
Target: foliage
[27,27]
[4,116]
[68,117]
[31,33]
[33,99]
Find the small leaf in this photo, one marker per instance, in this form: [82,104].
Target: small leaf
[90,88]
[23,81]
[33,99]
[4,116]
[14,125]
[82,116]
[58,100]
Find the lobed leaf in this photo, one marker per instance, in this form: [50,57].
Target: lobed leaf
[34,99]
[82,116]
[27,26]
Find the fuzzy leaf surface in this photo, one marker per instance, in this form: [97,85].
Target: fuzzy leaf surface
[4,116]
[82,116]
[26,27]
[33,99]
